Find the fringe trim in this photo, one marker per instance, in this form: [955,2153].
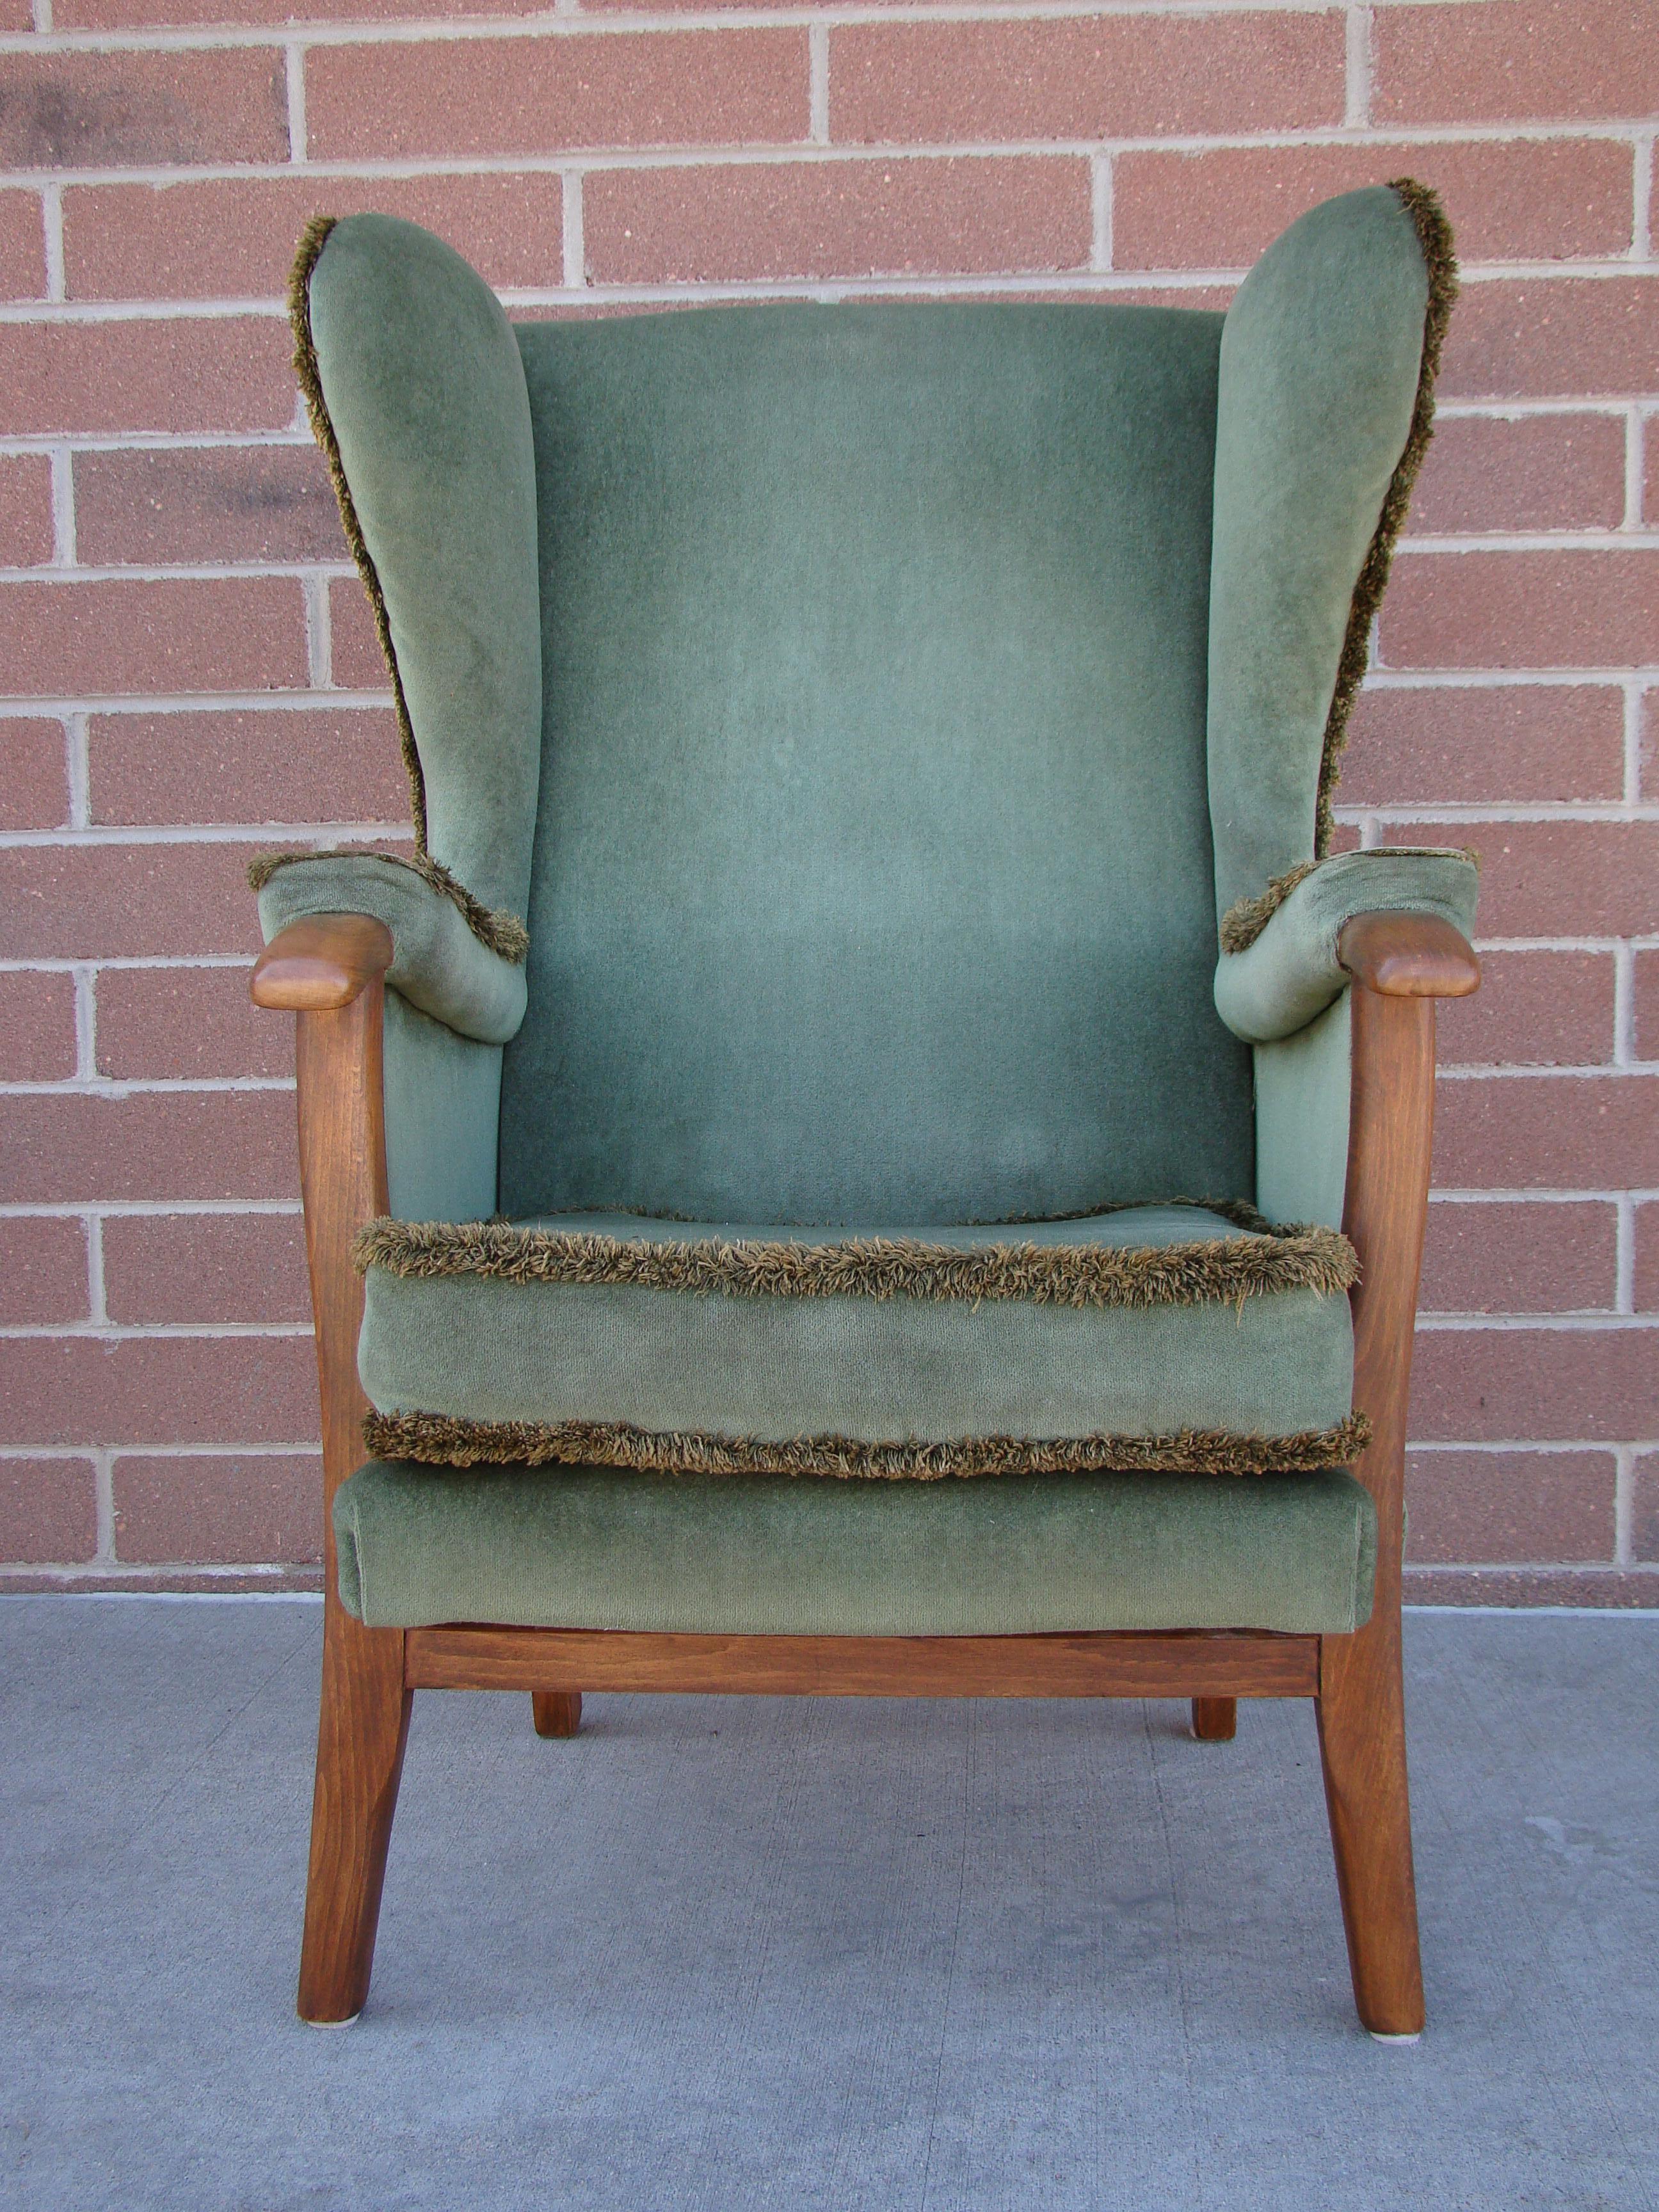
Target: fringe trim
[1434,236]
[442,1439]
[1246,918]
[1222,1271]
[498,931]
[504,935]
[312,239]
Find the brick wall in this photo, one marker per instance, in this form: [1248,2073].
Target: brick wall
[190,675]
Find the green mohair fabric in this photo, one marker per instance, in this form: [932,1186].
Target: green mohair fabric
[586,1547]
[874,1369]
[424,386]
[1301,1105]
[872,869]
[1319,373]
[442,1108]
[438,962]
[1290,973]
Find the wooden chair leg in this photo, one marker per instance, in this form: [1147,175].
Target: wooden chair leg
[1362,1743]
[359,1756]
[1215,1720]
[557,1712]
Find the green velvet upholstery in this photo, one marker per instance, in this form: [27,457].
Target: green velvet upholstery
[874,1368]
[438,964]
[587,1548]
[1289,974]
[873,863]
[871,708]
[1319,368]
[427,397]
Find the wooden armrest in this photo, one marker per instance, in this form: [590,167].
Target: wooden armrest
[321,962]
[1408,956]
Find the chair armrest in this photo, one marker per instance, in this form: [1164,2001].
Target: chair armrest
[1408,956]
[321,963]
[438,962]
[1293,969]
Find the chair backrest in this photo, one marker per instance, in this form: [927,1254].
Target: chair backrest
[873,877]
[868,701]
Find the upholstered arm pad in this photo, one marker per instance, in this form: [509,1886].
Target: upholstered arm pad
[1290,972]
[438,964]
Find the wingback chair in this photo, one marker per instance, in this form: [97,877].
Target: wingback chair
[872,1146]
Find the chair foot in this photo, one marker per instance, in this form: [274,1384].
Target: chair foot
[361,1736]
[557,1712]
[350,2020]
[1215,1720]
[1377,2038]
[1362,1744]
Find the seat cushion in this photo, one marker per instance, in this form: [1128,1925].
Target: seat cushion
[594,1547]
[1152,1337]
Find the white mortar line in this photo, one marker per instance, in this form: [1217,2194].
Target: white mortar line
[1100,207]
[1357,110]
[1567,1324]
[103,1462]
[62,506]
[77,759]
[575,270]
[98,1307]
[51,228]
[140,1209]
[817,79]
[201,833]
[83,975]
[1641,244]
[319,637]
[115,1088]
[1624,1505]
[150,1332]
[294,77]
[1624,1297]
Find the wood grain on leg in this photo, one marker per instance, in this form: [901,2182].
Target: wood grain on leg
[1215,1720]
[330,970]
[1400,964]
[557,1712]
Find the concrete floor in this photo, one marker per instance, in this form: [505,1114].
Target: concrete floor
[745,1953]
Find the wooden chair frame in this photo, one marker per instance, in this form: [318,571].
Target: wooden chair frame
[330,970]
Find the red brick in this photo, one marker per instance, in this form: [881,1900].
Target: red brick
[22,246]
[1488,1507]
[1644,1530]
[90,111]
[836,219]
[206,1268]
[1647,1258]
[1516,745]
[1090,77]
[34,774]
[1553,337]
[1547,1133]
[1510,61]
[1520,1259]
[234,238]
[185,633]
[165,1390]
[263,1506]
[495,96]
[71,1148]
[358,663]
[25,537]
[1556,878]
[116,14]
[37,1027]
[213,503]
[1533,1009]
[1647,1006]
[231,372]
[1537,472]
[43,1270]
[303,764]
[1514,200]
[1568,609]
[125,901]
[158,1023]
[48,1511]
[1503,1385]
